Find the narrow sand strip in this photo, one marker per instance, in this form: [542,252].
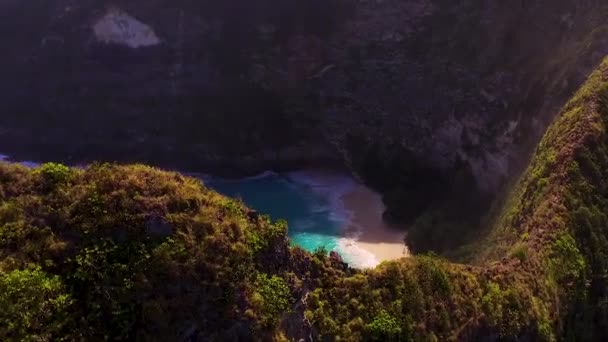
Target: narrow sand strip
[367,231]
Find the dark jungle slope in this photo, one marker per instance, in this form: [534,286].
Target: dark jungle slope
[131,252]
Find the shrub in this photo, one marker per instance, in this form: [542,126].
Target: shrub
[54,174]
[384,327]
[520,251]
[32,305]
[567,263]
[272,298]
[432,275]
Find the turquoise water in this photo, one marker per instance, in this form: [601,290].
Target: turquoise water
[314,216]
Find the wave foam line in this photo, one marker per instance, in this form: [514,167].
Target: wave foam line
[334,187]
[331,186]
[356,256]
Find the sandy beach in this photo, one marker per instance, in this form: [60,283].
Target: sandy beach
[367,231]
[366,239]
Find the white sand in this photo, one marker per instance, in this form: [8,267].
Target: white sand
[367,233]
[366,239]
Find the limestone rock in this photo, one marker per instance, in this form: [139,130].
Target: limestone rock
[118,27]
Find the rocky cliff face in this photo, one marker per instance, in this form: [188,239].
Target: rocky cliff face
[135,253]
[458,87]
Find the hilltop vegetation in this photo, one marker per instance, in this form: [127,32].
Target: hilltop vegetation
[115,252]
[132,252]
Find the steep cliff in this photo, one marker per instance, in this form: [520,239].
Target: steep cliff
[539,274]
[361,84]
[131,252]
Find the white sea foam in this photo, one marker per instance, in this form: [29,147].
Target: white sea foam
[355,255]
[333,187]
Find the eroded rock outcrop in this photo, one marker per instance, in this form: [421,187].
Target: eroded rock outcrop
[118,27]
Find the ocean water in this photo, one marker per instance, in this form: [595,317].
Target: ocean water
[309,202]
[4,157]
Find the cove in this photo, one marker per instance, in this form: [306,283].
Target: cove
[323,209]
[312,210]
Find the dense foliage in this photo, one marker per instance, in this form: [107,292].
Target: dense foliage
[115,252]
[131,252]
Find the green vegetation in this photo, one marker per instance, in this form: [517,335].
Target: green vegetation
[272,297]
[384,327]
[122,252]
[54,174]
[131,252]
[541,269]
[32,304]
